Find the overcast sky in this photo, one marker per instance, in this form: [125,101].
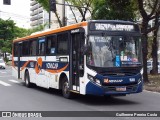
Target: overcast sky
[19,10]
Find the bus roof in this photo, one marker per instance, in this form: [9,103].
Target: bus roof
[70,27]
[43,33]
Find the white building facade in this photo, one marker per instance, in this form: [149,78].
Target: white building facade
[39,16]
[18,11]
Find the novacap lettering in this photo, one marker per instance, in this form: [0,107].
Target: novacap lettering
[52,65]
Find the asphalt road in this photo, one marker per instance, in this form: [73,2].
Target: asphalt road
[14,96]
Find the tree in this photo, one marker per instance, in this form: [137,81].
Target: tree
[114,10]
[155,42]
[80,4]
[6,35]
[9,31]
[147,15]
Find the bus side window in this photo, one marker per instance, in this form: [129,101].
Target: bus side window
[33,46]
[25,50]
[51,45]
[62,40]
[15,49]
[41,46]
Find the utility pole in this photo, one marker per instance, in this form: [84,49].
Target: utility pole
[63,13]
[53,8]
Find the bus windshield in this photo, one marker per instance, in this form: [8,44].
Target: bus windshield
[114,51]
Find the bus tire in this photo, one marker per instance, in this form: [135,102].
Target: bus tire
[65,89]
[27,80]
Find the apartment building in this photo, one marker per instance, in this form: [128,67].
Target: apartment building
[39,16]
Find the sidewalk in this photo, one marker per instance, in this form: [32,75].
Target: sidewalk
[154,83]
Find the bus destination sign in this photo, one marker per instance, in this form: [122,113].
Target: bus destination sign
[112,27]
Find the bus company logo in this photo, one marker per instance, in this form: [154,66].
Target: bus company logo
[112,81]
[106,80]
[38,65]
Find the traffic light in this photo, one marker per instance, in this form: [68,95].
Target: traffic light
[52,5]
[7,2]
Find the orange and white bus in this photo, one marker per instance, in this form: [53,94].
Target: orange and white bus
[98,57]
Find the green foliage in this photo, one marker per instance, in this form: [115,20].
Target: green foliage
[44,4]
[114,9]
[82,3]
[8,32]
[6,59]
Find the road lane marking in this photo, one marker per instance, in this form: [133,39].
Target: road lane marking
[3,72]
[14,81]
[4,83]
[6,75]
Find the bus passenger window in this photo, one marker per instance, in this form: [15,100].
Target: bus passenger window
[15,49]
[51,45]
[33,47]
[62,43]
[25,50]
[41,46]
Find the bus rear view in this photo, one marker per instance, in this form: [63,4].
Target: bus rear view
[113,58]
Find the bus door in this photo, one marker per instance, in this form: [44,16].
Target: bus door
[40,76]
[19,59]
[76,60]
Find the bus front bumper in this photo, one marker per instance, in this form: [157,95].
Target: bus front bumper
[94,89]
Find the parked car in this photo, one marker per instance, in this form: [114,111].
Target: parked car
[150,65]
[2,64]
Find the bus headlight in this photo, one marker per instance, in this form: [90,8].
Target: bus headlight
[141,74]
[139,81]
[93,79]
[141,71]
[98,81]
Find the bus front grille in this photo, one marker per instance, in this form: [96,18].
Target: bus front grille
[129,88]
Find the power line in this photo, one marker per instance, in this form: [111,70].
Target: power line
[14,15]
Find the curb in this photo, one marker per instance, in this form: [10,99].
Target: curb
[151,91]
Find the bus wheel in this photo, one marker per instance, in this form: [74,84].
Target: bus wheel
[27,80]
[65,89]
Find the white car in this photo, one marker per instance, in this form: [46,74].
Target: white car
[150,65]
[2,64]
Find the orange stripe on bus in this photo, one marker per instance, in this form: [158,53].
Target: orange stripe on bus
[53,31]
[26,64]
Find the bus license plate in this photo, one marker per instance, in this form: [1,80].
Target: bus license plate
[121,88]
